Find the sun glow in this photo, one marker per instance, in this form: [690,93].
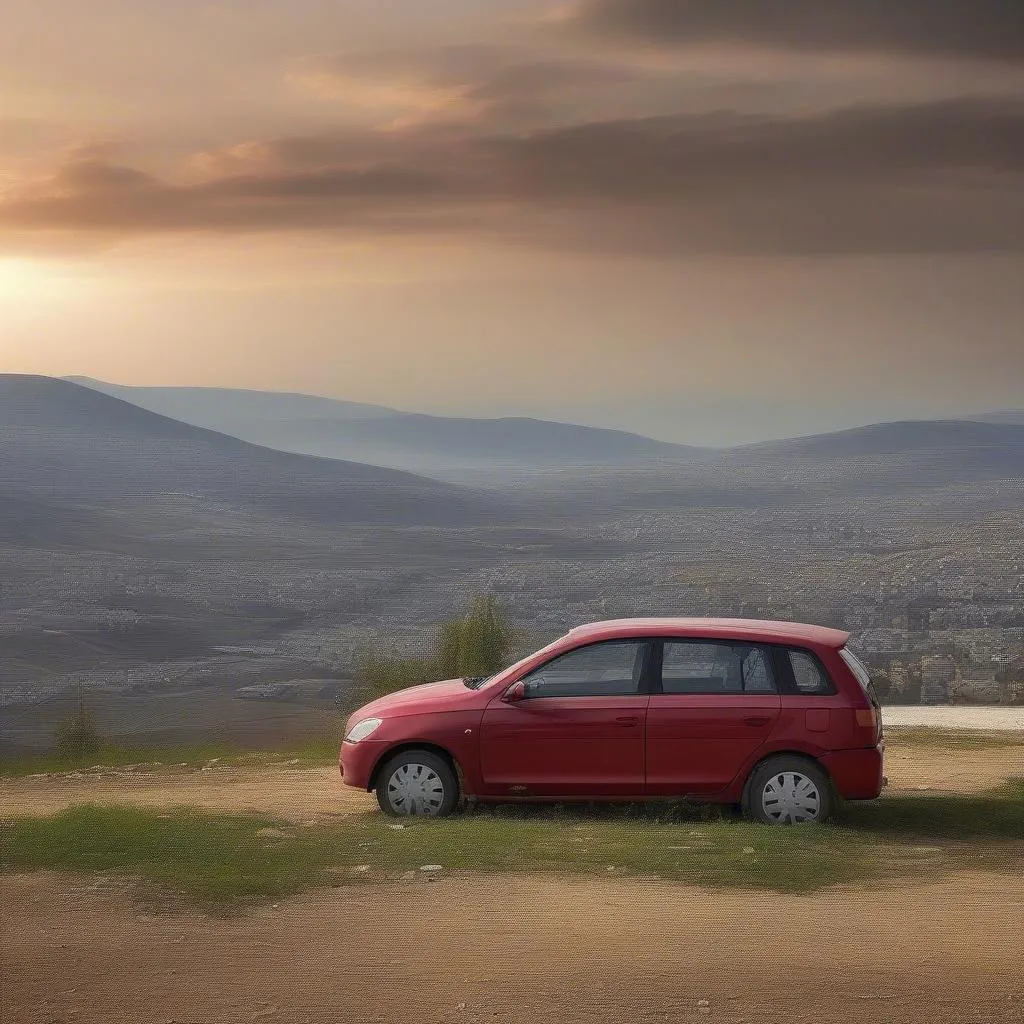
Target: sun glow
[31,282]
[20,278]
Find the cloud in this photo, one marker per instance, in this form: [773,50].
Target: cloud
[681,157]
[972,29]
[91,176]
[461,83]
[933,177]
[121,201]
[414,144]
[438,66]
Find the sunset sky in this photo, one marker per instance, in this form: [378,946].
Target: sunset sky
[708,221]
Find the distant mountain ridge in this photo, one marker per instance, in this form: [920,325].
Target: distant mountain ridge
[430,444]
[999,416]
[893,438]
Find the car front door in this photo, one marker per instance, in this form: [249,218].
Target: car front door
[713,704]
[578,730]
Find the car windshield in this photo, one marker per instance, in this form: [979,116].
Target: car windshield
[475,682]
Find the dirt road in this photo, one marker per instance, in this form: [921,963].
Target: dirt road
[289,793]
[504,948]
[519,949]
[307,794]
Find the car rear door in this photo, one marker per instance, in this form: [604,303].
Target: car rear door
[713,703]
[579,731]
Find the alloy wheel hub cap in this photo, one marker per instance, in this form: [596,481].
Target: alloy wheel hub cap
[415,789]
[791,797]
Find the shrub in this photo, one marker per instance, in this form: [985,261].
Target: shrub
[478,644]
[475,644]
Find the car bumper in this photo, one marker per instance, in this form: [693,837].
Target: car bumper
[357,761]
[856,774]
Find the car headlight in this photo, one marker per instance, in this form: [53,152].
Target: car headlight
[362,729]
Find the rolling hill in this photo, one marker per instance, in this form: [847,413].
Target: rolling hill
[220,408]
[943,465]
[62,443]
[952,438]
[448,447]
[999,416]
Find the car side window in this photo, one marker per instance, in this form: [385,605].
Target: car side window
[808,675]
[608,669]
[692,666]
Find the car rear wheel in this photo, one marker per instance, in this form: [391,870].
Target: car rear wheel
[786,791]
[417,782]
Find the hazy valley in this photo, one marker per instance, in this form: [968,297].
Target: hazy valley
[194,582]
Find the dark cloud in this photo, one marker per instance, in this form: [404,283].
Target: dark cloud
[723,154]
[974,29]
[375,183]
[539,79]
[938,177]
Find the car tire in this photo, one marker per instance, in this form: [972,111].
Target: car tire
[787,790]
[417,782]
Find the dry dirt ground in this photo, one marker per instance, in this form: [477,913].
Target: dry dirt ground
[520,949]
[306,794]
[507,948]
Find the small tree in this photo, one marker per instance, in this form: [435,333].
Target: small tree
[478,644]
[448,649]
[475,644]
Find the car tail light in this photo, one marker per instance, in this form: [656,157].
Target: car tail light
[869,719]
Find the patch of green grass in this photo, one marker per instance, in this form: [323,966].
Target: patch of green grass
[226,860]
[670,843]
[211,859]
[309,753]
[995,815]
[951,739]
[222,860]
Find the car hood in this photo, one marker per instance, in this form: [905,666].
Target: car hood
[446,695]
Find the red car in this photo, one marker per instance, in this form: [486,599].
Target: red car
[777,717]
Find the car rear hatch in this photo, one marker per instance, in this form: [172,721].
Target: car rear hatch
[867,719]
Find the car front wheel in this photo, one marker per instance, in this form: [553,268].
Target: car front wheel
[417,782]
[787,791]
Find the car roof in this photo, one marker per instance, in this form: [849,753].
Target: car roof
[763,630]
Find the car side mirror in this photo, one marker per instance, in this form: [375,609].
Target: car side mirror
[515,693]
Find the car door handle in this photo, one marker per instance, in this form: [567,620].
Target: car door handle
[627,720]
[757,720]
